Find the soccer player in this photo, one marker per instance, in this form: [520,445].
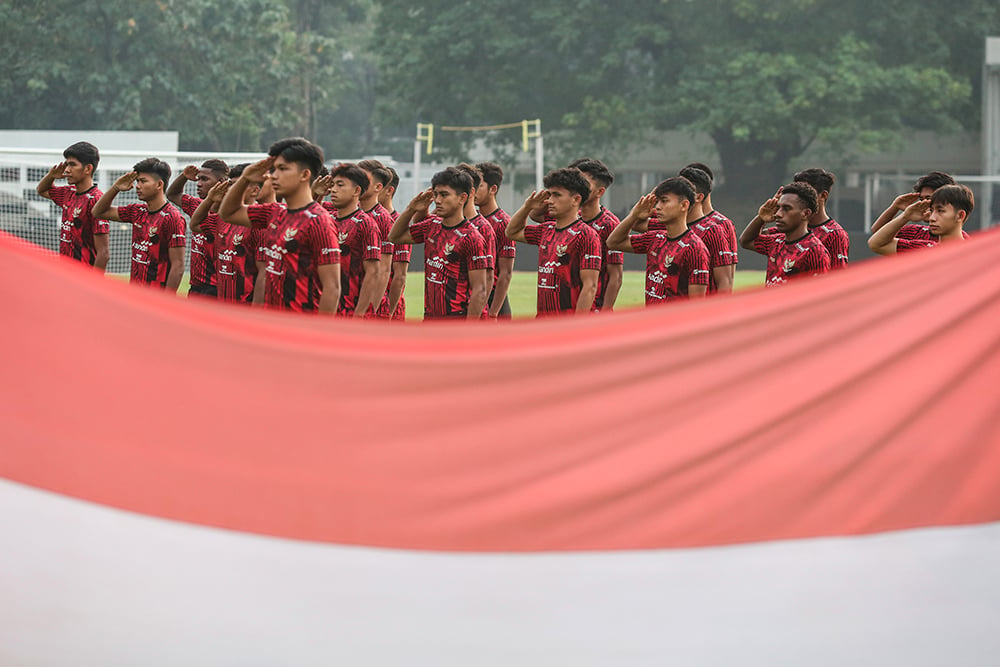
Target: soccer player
[826,229]
[569,250]
[159,232]
[235,246]
[361,247]
[676,257]
[379,178]
[506,249]
[82,236]
[400,257]
[455,264]
[708,208]
[303,256]
[603,221]
[203,278]
[798,252]
[477,220]
[264,196]
[923,189]
[721,256]
[946,211]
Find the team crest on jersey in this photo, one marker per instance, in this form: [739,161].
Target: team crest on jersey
[238,238]
[667,261]
[561,250]
[789,265]
[153,230]
[290,234]
[273,225]
[343,237]
[77,211]
[449,248]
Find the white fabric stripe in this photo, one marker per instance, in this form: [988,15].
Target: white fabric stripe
[87,585]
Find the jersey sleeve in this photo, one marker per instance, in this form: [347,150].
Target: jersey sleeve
[60,194]
[402,253]
[371,239]
[654,225]
[128,213]
[99,226]
[698,265]
[177,228]
[475,251]
[260,214]
[189,204]
[418,230]
[905,245]
[533,234]
[641,243]
[839,247]
[817,261]
[323,238]
[506,247]
[589,247]
[717,243]
[766,243]
[616,257]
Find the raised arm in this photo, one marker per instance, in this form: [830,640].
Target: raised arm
[103,208]
[55,173]
[619,237]
[321,187]
[209,204]
[176,190]
[765,216]
[898,205]
[400,232]
[233,209]
[883,241]
[515,228]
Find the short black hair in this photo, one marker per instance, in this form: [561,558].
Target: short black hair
[473,173]
[704,167]
[155,167]
[217,167]
[958,196]
[569,179]
[394,180]
[596,169]
[352,172]
[377,170]
[237,170]
[701,181]
[454,178]
[933,180]
[676,185]
[85,152]
[301,151]
[805,192]
[821,179]
[492,173]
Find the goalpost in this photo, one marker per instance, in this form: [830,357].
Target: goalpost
[530,129]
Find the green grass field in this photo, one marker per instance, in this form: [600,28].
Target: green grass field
[522,290]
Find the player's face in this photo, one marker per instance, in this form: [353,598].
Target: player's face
[75,172]
[342,192]
[670,207]
[595,190]
[562,203]
[147,187]
[206,180]
[374,187]
[287,177]
[790,214]
[944,219]
[482,193]
[447,202]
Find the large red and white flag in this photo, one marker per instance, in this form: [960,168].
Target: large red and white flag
[808,476]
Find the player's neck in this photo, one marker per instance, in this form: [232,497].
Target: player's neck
[470,209]
[797,233]
[820,217]
[156,203]
[368,203]
[388,207]
[695,213]
[299,199]
[84,185]
[675,227]
[489,207]
[953,235]
[591,209]
[454,219]
[706,205]
[566,220]
[350,208]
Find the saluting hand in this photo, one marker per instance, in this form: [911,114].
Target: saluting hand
[769,208]
[257,172]
[126,181]
[643,208]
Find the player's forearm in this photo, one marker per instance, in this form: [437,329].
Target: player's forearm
[477,301]
[396,289]
[886,217]
[232,209]
[586,301]
[751,233]
[400,232]
[518,221]
[619,237]
[259,284]
[102,209]
[199,215]
[369,288]
[175,192]
[723,278]
[697,291]
[329,300]
[615,277]
[174,276]
[500,291]
[103,255]
[883,241]
[45,185]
